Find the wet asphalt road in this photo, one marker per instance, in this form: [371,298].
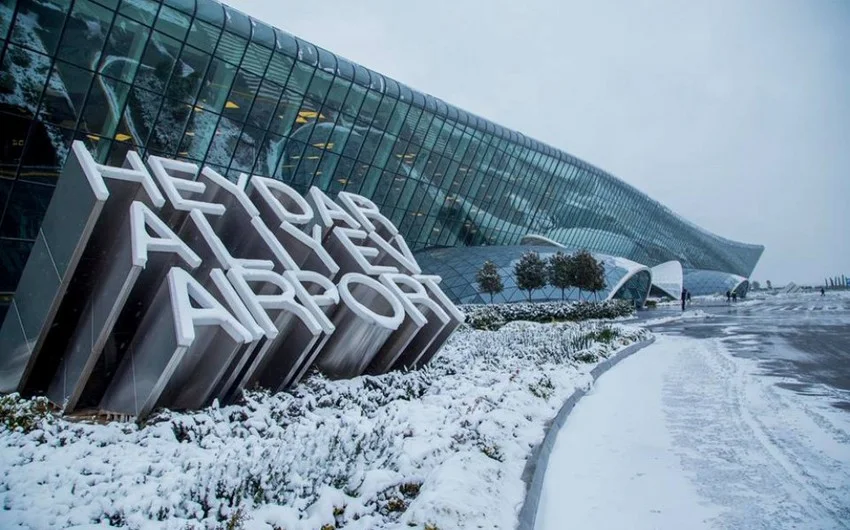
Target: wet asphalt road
[802,339]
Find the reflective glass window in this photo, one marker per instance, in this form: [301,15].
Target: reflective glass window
[237,22]
[247,149]
[169,126]
[211,12]
[224,142]
[25,210]
[286,43]
[203,35]
[337,93]
[319,86]
[299,78]
[186,6]
[353,100]
[37,20]
[63,107]
[141,10]
[279,68]
[23,74]
[256,59]
[265,104]
[286,113]
[241,96]
[157,63]
[307,52]
[85,33]
[104,109]
[124,49]
[262,34]
[270,153]
[199,133]
[173,23]
[216,85]
[187,77]
[231,48]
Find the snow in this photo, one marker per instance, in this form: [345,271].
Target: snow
[443,446]
[684,435]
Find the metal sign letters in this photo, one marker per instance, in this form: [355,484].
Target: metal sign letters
[167,285]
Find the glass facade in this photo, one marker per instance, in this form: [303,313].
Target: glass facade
[199,81]
[624,279]
[700,282]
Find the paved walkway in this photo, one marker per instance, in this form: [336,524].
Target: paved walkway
[739,420]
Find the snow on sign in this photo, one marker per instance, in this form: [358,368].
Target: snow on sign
[166,285]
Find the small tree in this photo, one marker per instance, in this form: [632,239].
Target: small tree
[589,273]
[489,280]
[561,272]
[530,272]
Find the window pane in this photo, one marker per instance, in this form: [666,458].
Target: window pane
[256,59]
[124,49]
[143,107]
[62,107]
[13,138]
[141,10]
[157,63]
[13,257]
[25,210]
[203,35]
[85,33]
[22,78]
[37,21]
[211,12]
[300,77]
[241,96]
[199,134]
[186,79]
[216,86]
[231,48]
[279,67]
[173,23]
[224,142]
[264,104]
[319,86]
[169,126]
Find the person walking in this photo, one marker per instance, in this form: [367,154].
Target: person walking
[728,297]
[689,297]
[822,292]
[734,297]
[684,298]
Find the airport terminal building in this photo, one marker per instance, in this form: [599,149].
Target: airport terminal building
[196,80]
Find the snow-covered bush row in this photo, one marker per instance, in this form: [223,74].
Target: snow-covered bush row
[442,447]
[494,316]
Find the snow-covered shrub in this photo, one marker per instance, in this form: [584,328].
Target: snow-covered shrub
[23,415]
[444,446]
[494,316]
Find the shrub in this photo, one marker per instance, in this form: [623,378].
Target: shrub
[23,414]
[492,317]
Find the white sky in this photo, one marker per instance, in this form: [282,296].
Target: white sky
[734,114]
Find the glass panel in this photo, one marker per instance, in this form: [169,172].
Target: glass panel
[231,48]
[286,43]
[39,24]
[186,79]
[186,6]
[241,96]
[62,107]
[300,77]
[279,67]
[210,11]
[224,142]
[264,104]
[123,49]
[237,22]
[286,113]
[269,154]
[157,63]
[173,23]
[7,8]
[319,86]
[203,35]
[13,138]
[13,257]
[85,33]
[45,153]
[141,10]
[22,78]
[169,126]
[25,210]
[256,59]
[143,107]
[216,85]
[199,133]
[247,149]
[262,34]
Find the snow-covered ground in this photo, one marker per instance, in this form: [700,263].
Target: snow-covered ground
[439,448]
[685,435]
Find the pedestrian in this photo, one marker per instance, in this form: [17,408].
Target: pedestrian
[684,298]
[822,292]
[728,297]
[689,297]
[734,296]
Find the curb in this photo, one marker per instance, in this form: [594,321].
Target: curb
[535,467]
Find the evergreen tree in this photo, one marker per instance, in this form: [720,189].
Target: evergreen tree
[530,272]
[489,280]
[561,272]
[589,273]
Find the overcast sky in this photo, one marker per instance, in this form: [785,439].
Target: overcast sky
[735,114]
